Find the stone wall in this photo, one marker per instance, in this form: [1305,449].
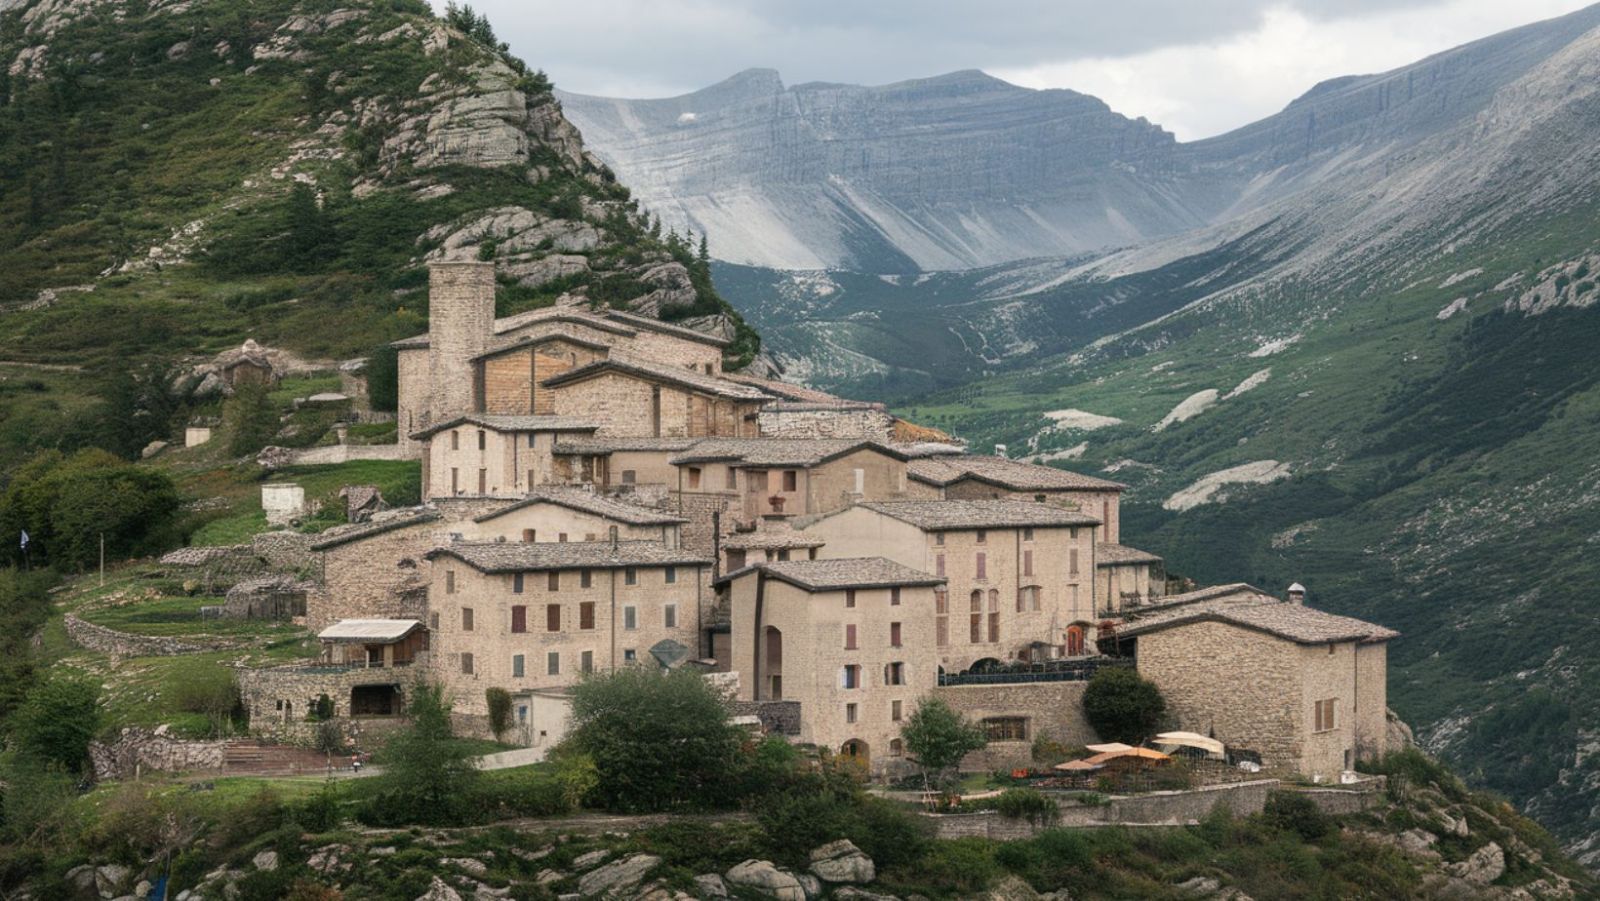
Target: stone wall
[278,698]
[1054,709]
[806,421]
[126,644]
[137,751]
[1176,808]
[698,534]
[287,551]
[344,453]
[777,717]
[1356,798]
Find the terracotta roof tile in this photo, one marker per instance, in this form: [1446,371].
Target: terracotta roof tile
[512,556]
[574,498]
[947,515]
[839,574]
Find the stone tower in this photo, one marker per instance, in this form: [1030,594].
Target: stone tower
[460,326]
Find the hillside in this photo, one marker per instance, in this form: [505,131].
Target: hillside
[176,177]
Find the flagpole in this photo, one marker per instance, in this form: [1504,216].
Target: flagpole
[102,559]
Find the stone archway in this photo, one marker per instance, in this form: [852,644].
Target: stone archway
[1077,635]
[857,750]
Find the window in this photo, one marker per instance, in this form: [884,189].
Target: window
[994,615]
[466,619]
[586,662]
[975,632]
[894,674]
[733,479]
[1072,562]
[483,481]
[630,576]
[852,676]
[981,564]
[938,539]
[519,618]
[938,565]
[897,748]
[483,440]
[466,663]
[1006,728]
[552,663]
[561,537]
[849,713]
[791,480]
[455,480]
[552,617]
[554,580]
[449,581]
[433,621]
[671,574]
[455,440]
[894,635]
[586,615]
[1331,648]
[1028,598]
[516,666]
[585,579]
[528,536]
[850,637]
[629,477]
[861,481]
[669,616]
[941,620]
[849,597]
[1027,563]
[630,618]
[894,597]
[983,536]
[1027,534]
[629,655]
[1325,716]
[1038,498]
[516,583]
[896,711]
[694,478]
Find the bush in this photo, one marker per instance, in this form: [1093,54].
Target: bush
[216,697]
[524,792]
[250,419]
[1027,804]
[499,703]
[1294,812]
[429,777]
[67,503]
[57,719]
[1123,706]
[659,740]
[963,866]
[323,811]
[937,738]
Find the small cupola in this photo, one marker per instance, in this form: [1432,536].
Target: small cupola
[1297,594]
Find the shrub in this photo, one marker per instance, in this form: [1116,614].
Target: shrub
[659,740]
[250,419]
[429,777]
[1027,804]
[499,702]
[67,503]
[1123,706]
[215,696]
[323,811]
[937,738]
[57,719]
[963,866]
[1294,812]
[524,792]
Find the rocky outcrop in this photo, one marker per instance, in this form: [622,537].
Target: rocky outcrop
[762,877]
[842,861]
[619,878]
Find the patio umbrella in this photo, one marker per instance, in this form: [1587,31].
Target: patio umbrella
[1192,740]
[1078,766]
[1109,747]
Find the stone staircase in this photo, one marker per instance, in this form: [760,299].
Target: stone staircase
[251,758]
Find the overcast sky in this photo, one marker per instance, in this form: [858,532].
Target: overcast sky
[1197,67]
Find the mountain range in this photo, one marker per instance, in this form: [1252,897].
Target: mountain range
[1349,345]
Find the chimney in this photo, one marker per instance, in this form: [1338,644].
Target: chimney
[1297,594]
[460,327]
[1000,450]
[614,543]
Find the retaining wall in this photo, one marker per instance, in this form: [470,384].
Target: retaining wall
[141,750]
[1176,808]
[126,644]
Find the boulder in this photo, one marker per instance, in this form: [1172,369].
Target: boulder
[438,890]
[590,860]
[810,884]
[851,893]
[710,885]
[110,879]
[1011,888]
[1418,843]
[151,449]
[143,889]
[842,861]
[548,877]
[82,881]
[619,878]
[1199,886]
[468,865]
[266,860]
[761,876]
[1484,866]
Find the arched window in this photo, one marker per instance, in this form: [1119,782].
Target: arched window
[1075,636]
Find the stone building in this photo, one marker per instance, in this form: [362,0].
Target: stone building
[974,477]
[481,455]
[1125,578]
[850,639]
[1303,688]
[1020,574]
[638,398]
[536,616]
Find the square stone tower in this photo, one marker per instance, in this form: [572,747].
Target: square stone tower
[460,327]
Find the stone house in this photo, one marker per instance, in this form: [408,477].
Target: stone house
[773,539]
[1020,575]
[1125,578]
[850,639]
[479,455]
[1303,688]
[639,398]
[571,513]
[366,670]
[976,477]
[537,616]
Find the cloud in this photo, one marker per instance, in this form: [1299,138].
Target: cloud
[1196,66]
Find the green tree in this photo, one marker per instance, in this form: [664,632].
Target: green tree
[55,722]
[937,738]
[383,379]
[499,703]
[429,776]
[67,503]
[659,740]
[251,420]
[1123,706]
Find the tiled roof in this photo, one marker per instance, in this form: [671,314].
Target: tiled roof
[937,516]
[513,424]
[666,328]
[525,342]
[396,519]
[1012,474]
[792,392]
[1293,622]
[678,375]
[835,575]
[587,501]
[1121,554]
[513,556]
[770,539]
[1232,592]
[560,314]
[792,452]
[607,445]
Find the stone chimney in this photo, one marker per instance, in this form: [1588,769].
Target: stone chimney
[460,327]
[1297,594]
[1000,450]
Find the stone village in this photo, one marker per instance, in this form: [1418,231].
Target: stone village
[597,493]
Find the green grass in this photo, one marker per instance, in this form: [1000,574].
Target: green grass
[180,616]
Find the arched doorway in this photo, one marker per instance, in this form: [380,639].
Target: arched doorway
[1076,634]
[856,750]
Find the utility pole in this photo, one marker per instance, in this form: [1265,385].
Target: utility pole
[102,559]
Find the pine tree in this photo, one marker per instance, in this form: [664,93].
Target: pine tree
[705,251]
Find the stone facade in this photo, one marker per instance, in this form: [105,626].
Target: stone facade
[460,327]
[278,699]
[793,420]
[482,461]
[630,405]
[1047,709]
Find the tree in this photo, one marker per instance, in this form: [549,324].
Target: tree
[499,701]
[429,776]
[1123,706]
[383,378]
[659,740]
[937,738]
[55,722]
[705,249]
[67,503]
[251,420]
